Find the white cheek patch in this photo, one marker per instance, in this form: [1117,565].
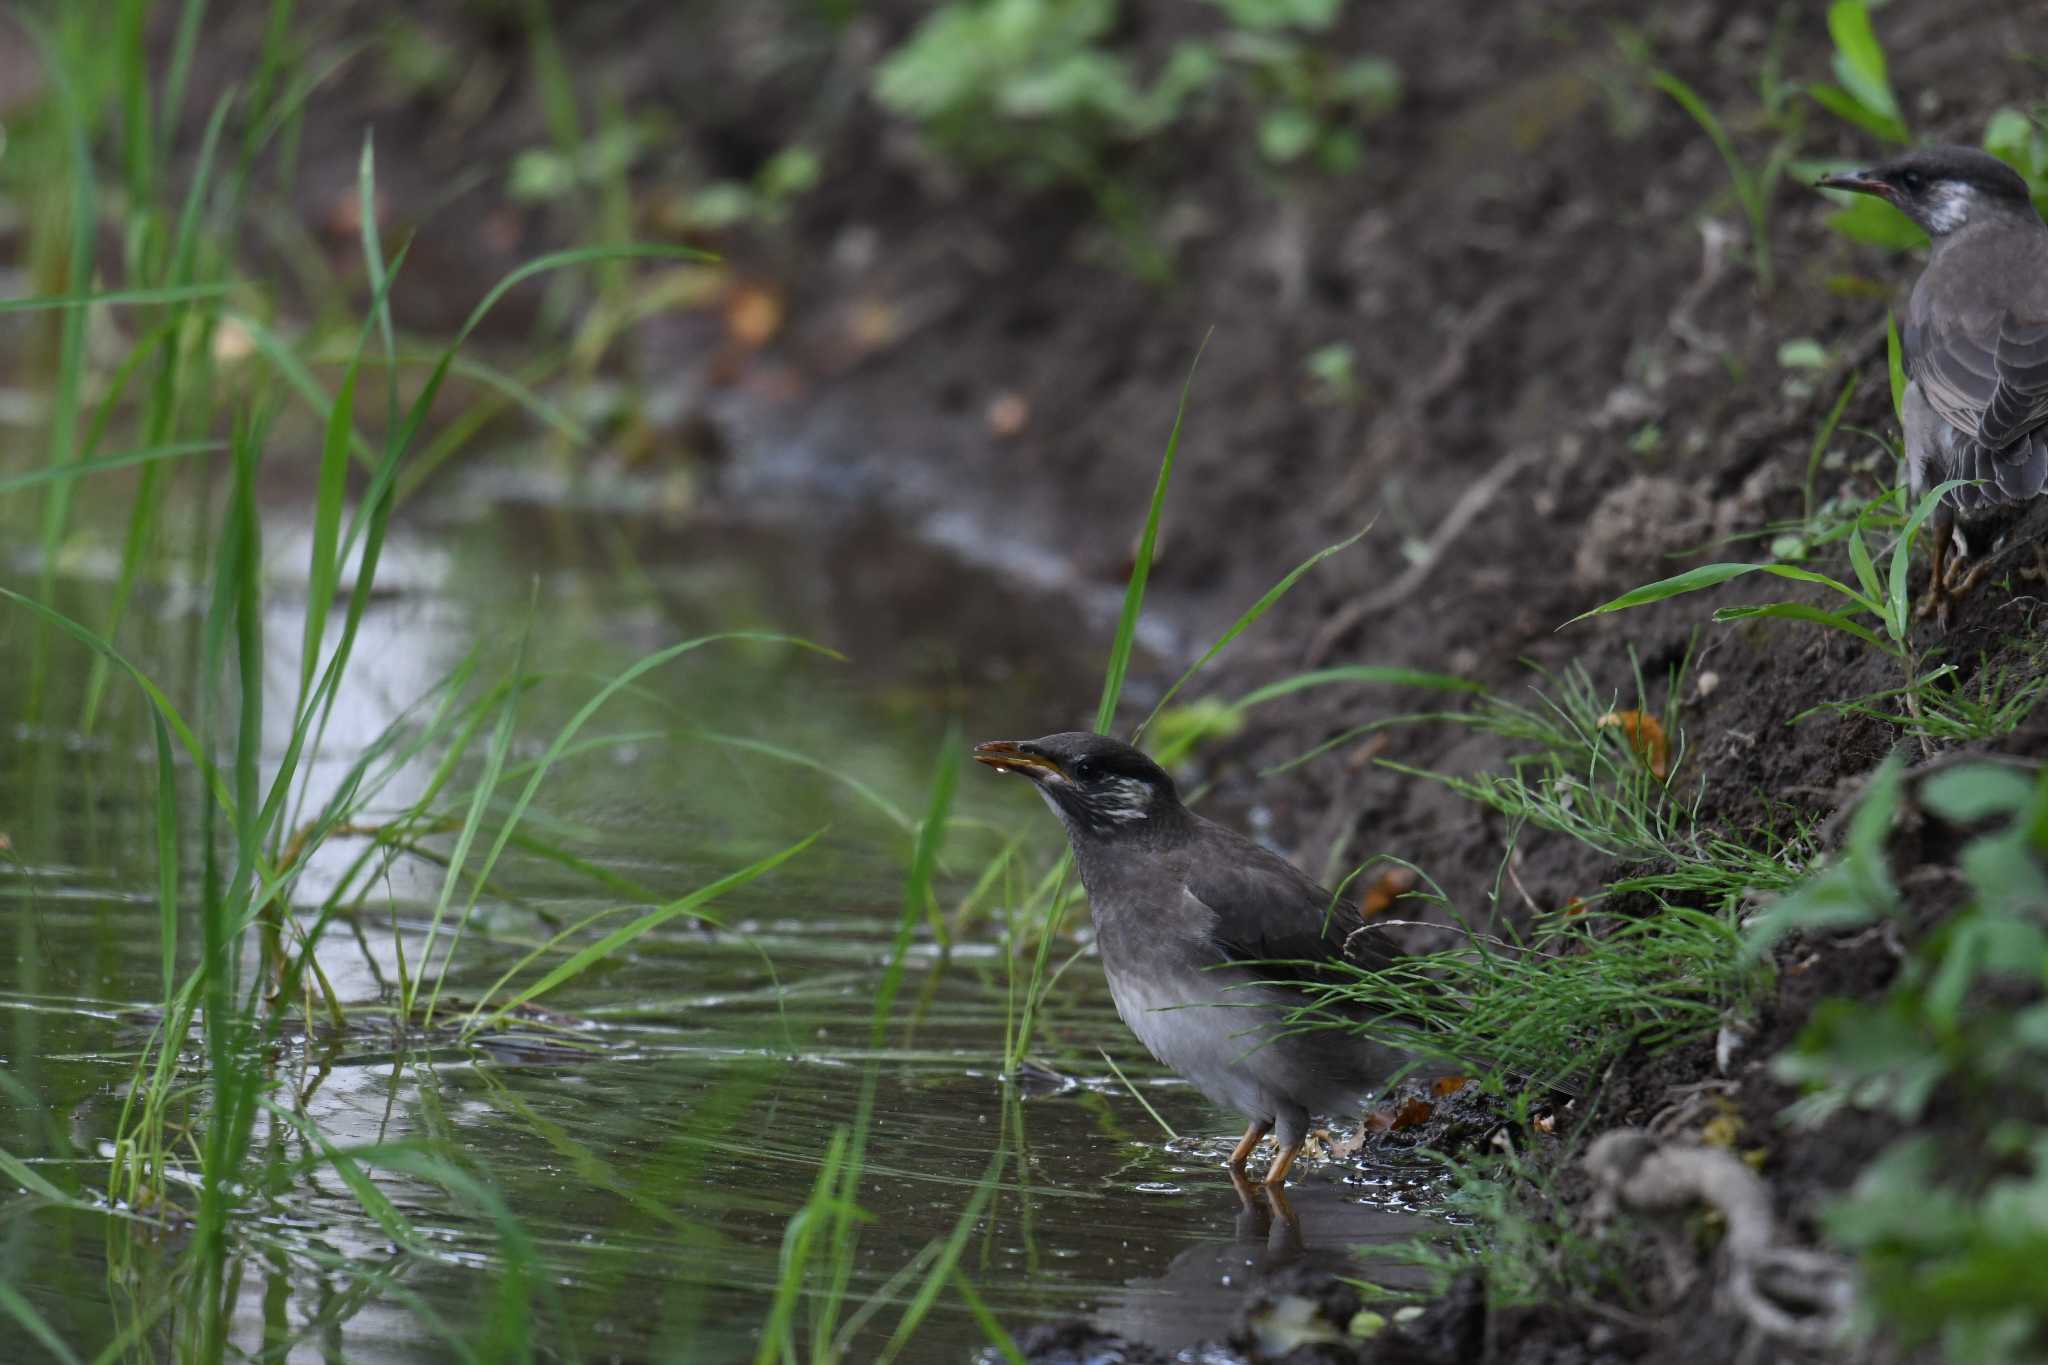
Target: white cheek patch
[1126,799]
[1949,207]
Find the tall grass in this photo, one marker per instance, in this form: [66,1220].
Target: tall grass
[238,951]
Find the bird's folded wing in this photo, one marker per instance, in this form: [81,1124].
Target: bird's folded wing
[1955,363]
[1267,910]
[2019,403]
[1984,370]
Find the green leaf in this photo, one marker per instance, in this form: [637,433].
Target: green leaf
[1286,133]
[1713,575]
[1895,366]
[1899,608]
[1860,65]
[1963,796]
[1876,223]
[1802,611]
[1802,353]
[1866,568]
[1847,107]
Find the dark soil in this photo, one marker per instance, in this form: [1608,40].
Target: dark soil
[1522,272]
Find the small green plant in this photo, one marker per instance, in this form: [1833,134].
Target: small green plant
[1753,185]
[767,199]
[1951,1227]
[1036,90]
[1878,611]
[1864,94]
[2020,139]
[1029,85]
[1310,108]
[1864,97]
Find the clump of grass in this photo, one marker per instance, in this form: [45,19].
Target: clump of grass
[1558,1001]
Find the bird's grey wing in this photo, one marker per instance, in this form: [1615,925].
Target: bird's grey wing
[2019,402]
[1269,910]
[1986,378]
[1953,357]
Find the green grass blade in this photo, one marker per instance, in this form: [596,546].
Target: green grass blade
[1005,1345]
[1141,566]
[895,814]
[1134,1093]
[1801,611]
[32,1322]
[126,459]
[1820,443]
[1357,673]
[1748,191]
[1713,575]
[166,853]
[1865,566]
[1258,609]
[116,298]
[949,1257]
[1895,366]
[1898,609]
[562,741]
[592,953]
[84,224]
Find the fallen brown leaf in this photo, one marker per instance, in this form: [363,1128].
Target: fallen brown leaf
[1362,755]
[1391,885]
[1413,1114]
[753,314]
[1645,737]
[1449,1085]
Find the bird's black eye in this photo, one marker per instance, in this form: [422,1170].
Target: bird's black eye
[1911,182]
[1085,770]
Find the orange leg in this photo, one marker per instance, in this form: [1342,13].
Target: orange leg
[1276,1174]
[1253,1136]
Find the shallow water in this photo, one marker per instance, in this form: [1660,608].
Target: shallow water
[655,1127]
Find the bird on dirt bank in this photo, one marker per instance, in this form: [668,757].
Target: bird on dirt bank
[1975,345]
[1208,941]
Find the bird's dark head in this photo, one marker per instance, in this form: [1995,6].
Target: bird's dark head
[1099,787]
[1942,188]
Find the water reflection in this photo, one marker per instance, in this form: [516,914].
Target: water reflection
[648,1134]
[1265,1239]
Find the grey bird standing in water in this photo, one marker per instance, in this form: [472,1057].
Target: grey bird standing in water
[1201,932]
[1975,346]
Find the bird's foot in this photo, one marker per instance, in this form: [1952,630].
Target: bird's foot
[1943,592]
[1276,1174]
[1253,1136]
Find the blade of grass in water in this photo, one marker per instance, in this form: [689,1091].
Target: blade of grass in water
[71,340]
[1146,1104]
[592,953]
[554,752]
[1105,711]
[34,1324]
[924,862]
